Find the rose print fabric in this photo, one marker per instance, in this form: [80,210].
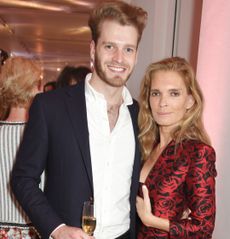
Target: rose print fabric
[179,180]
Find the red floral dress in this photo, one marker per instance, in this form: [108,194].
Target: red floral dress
[178,181]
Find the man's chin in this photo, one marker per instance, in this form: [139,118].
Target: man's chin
[116,82]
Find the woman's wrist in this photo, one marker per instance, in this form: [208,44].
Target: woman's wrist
[157,222]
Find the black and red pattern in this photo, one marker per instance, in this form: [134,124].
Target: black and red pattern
[181,180]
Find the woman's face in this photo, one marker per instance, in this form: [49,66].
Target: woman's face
[169,99]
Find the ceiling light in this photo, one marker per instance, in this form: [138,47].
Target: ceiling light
[36,5]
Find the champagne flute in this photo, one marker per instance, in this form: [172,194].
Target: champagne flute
[88,219]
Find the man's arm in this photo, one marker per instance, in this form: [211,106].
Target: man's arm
[30,163]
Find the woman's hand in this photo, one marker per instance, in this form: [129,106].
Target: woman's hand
[144,207]
[144,211]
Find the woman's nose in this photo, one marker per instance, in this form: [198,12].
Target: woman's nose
[163,102]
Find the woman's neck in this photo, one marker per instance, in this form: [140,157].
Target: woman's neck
[18,114]
[165,138]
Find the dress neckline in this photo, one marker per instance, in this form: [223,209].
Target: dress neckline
[12,122]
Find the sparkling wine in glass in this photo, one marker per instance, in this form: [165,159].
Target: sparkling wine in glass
[88,218]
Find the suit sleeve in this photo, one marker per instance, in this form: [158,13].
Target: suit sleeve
[200,191]
[30,163]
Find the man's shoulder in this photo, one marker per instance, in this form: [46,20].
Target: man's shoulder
[58,94]
[54,100]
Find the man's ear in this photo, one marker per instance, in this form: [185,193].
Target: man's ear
[190,102]
[92,54]
[92,50]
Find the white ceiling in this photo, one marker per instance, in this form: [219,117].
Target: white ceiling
[54,32]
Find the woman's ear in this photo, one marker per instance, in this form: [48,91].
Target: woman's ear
[190,102]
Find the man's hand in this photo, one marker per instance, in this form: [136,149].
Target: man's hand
[67,232]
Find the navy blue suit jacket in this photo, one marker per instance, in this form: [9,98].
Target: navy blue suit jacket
[56,139]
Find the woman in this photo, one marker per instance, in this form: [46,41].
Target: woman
[178,171]
[20,81]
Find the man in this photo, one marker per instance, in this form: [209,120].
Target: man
[85,137]
[51,85]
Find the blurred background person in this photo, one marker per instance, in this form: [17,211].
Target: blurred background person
[51,85]
[20,81]
[3,56]
[178,170]
[71,75]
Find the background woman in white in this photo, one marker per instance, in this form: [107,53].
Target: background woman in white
[20,81]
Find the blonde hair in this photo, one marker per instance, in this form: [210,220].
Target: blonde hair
[18,78]
[191,126]
[119,11]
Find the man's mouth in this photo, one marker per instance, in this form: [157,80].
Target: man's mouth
[117,69]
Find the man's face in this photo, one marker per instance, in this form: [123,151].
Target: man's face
[115,53]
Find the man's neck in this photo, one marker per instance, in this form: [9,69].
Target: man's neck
[113,95]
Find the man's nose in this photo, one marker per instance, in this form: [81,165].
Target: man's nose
[118,55]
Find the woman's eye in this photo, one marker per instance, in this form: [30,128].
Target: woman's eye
[153,93]
[175,93]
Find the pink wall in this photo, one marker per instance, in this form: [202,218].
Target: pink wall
[213,73]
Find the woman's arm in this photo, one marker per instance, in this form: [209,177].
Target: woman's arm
[200,193]
[145,212]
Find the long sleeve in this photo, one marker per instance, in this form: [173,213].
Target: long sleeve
[200,196]
[30,163]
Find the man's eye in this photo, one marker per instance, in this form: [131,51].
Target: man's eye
[109,47]
[129,50]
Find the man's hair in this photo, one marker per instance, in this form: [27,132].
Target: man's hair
[18,78]
[121,12]
[50,85]
[3,56]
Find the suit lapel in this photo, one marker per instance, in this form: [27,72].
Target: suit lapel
[133,109]
[76,105]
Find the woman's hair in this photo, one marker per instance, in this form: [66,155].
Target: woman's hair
[71,75]
[18,78]
[191,126]
[119,11]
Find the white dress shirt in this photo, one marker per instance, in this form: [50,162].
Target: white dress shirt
[112,157]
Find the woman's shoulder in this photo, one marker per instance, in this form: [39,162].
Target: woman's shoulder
[198,152]
[196,145]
